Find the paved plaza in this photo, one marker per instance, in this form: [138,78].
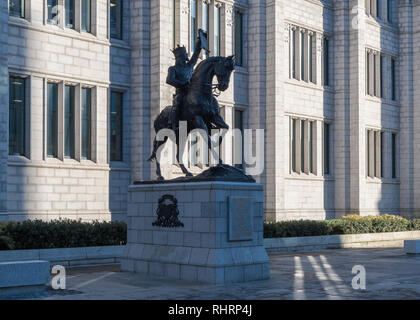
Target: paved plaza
[390,274]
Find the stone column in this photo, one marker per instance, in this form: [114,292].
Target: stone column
[405,67]
[140,15]
[416,103]
[275,121]
[4,109]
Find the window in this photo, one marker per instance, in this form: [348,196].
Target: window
[52,7]
[293,144]
[239,50]
[17,8]
[238,143]
[293,53]
[17,116]
[116,126]
[69,123]
[216,31]
[69,14]
[116,19]
[86,15]
[390,6]
[193,24]
[381,9]
[303,137]
[85,111]
[205,19]
[303,64]
[374,146]
[52,119]
[326,62]
[394,155]
[393,79]
[374,75]
[327,148]
[302,54]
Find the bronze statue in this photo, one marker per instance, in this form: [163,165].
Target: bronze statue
[195,103]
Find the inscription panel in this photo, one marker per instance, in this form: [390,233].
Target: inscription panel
[240,218]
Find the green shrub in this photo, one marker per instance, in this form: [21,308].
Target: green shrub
[350,224]
[38,234]
[6,243]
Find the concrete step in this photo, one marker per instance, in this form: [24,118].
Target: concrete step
[24,273]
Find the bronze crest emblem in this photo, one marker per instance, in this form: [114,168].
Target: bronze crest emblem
[168,212]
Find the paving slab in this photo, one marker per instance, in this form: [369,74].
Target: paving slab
[324,275]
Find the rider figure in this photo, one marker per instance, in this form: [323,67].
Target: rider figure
[179,76]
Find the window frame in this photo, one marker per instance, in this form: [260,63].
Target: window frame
[86,19]
[69,14]
[22,13]
[119,20]
[89,150]
[121,123]
[54,129]
[25,110]
[238,32]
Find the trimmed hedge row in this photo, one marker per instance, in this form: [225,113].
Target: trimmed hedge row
[351,224]
[66,233]
[63,233]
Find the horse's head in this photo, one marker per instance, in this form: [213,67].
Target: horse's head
[223,69]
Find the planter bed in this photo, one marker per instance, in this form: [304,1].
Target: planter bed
[67,256]
[365,240]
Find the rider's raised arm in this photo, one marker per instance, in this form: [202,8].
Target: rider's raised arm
[172,80]
[196,53]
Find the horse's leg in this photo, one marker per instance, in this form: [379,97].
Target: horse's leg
[156,145]
[181,165]
[200,124]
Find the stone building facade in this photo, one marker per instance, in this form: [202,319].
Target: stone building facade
[332,83]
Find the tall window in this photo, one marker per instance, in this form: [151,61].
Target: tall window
[390,6]
[52,6]
[17,8]
[86,116]
[374,146]
[69,123]
[206,21]
[69,13]
[394,155]
[293,144]
[303,64]
[216,31]
[327,148]
[116,11]
[303,146]
[52,119]
[239,41]
[193,24]
[238,139]
[116,125]
[393,79]
[293,52]
[16,116]
[326,62]
[373,73]
[86,15]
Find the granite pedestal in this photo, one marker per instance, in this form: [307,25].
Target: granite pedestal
[219,237]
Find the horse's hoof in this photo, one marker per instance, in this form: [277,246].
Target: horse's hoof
[160,178]
[189,174]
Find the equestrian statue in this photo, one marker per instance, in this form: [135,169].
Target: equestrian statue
[194,101]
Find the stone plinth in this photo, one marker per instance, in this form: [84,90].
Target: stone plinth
[221,240]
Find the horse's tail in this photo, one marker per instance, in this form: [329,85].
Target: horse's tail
[161,121]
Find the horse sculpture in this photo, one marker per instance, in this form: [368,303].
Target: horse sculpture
[200,108]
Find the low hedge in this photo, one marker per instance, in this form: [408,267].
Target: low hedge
[351,224]
[63,233]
